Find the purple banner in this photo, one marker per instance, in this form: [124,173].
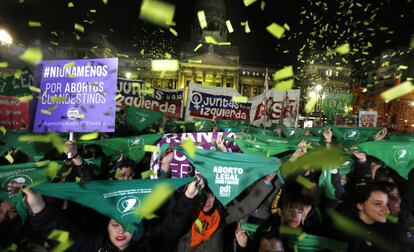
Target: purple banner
[180,166]
[77,95]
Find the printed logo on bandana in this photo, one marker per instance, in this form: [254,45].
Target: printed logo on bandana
[127,205]
[18,179]
[351,135]
[226,176]
[136,142]
[402,155]
[72,113]
[291,132]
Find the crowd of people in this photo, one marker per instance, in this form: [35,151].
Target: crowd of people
[371,209]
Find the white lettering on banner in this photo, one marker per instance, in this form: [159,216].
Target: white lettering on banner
[226,176]
[76,71]
[137,102]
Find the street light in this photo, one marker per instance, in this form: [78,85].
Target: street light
[5,38]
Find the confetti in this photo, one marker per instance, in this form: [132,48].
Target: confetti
[202,19]
[168,56]
[71,5]
[32,55]
[46,112]
[105,2]
[26,98]
[4,64]
[79,28]
[35,89]
[343,49]
[63,238]
[146,174]
[246,27]
[9,158]
[189,147]
[210,40]
[164,65]
[402,67]
[151,148]
[90,136]
[305,182]
[153,201]
[276,30]
[286,26]
[248,2]
[285,72]
[35,24]
[157,12]
[18,73]
[284,85]
[80,116]
[52,169]
[92,11]
[262,5]
[398,91]
[3,130]
[239,99]
[56,98]
[229,26]
[174,32]
[311,104]
[199,225]
[198,47]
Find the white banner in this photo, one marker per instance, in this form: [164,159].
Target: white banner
[278,108]
[368,118]
[265,109]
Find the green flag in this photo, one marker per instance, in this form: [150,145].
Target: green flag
[120,200]
[317,131]
[174,126]
[348,136]
[249,228]
[139,119]
[397,155]
[228,174]
[334,103]
[132,147]
[262,148]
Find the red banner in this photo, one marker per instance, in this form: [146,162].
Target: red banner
[14,115]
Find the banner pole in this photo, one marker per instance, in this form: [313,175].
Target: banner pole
[70,139]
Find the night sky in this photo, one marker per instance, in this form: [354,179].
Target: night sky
[368,26]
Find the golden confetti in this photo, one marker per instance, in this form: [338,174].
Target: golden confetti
[32,55]
[229,26]
[286,72]
[189,147]
[35,89]
[71,5]
[248,2]
[4,64]
[343,49]
[151,148]
[164,65]
[79,28]
[90,136]
[202,19]
[276,30]
[46,112]
[26,98]
[9,158]
[398,91]
[174,32]
[239,99]
[198,47]
[3,130]
[35,24]
[157,12]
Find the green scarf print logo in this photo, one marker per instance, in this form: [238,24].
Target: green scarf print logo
[127,205]
[135,142]
[351,134]
[19,179]
[402,155]
[291,132]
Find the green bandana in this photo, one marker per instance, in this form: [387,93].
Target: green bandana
[132,147]
[402,137]
[262,148]
[293,132]
[139,119]
[29,174]
[174,126]
[201,125]
[317,131]
[397,155]
[325,184]
[349,136]
[120,200]
[249,228]
[228,174]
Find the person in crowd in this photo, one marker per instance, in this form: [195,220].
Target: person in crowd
[45,219]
